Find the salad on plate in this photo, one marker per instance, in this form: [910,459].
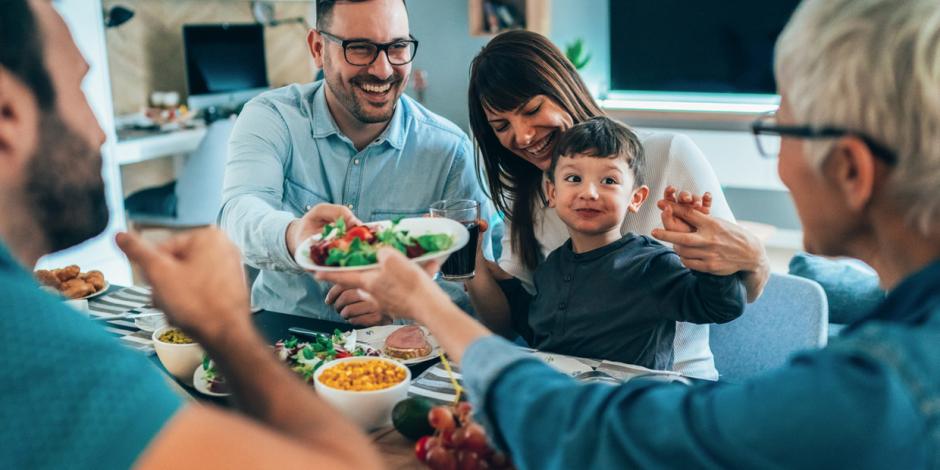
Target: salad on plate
[342,246]
[306,357]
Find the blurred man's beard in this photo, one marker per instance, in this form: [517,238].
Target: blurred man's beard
[65,188]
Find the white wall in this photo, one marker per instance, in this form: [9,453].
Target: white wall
[84,18]
[446,47]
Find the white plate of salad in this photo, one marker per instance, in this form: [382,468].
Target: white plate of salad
[342,248]
[305,357]
[208,381]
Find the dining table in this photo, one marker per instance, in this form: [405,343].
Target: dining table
[397,451]
[121,309]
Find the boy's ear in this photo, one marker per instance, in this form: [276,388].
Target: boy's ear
[550,192]
[639,197]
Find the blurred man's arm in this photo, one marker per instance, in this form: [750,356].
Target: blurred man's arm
[197,280]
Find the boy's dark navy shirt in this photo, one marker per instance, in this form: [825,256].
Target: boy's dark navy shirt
[621,302]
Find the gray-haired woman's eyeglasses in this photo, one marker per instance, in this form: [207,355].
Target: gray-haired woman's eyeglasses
[767,135]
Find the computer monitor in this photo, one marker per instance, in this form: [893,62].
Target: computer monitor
[225,64]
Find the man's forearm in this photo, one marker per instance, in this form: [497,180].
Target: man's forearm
[265,389]
[260,231]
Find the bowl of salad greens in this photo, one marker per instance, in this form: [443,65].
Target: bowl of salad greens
[342,248]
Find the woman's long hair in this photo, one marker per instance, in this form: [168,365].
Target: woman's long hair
[514,67]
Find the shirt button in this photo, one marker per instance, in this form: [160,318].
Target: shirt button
[356,161]
[567,278]
[349,206]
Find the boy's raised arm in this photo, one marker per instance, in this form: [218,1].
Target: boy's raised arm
[692,296]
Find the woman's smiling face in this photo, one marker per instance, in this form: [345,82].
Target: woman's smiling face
[530,131]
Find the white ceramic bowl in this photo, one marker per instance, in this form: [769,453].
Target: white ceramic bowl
[371,409]
[178,359]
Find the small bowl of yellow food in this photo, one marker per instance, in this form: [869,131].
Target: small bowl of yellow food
[178,353]
[363,388]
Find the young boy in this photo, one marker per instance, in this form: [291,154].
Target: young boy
[602,294]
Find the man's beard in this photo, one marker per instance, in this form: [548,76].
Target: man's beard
[361,110]
[64,186]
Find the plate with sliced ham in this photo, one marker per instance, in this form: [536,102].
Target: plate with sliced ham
[407,344]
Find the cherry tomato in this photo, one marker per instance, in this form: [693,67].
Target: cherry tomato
[441,418]
[440,458]
[421,447]
[361,232]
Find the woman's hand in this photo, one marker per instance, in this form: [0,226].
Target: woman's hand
[715,246]
[399,286]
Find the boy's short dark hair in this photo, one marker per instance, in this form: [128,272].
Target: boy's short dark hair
[325,11]
[601,137]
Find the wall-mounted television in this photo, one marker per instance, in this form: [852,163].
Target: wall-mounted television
[695,46]
[225,63]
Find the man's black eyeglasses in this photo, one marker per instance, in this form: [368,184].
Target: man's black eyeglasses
[767,132]
[360,52]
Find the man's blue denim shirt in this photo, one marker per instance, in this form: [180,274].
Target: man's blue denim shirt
[286,155]
[871,399]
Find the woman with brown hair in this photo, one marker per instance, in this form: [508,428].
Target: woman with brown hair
[523,93]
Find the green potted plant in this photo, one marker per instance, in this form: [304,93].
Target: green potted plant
[578,54]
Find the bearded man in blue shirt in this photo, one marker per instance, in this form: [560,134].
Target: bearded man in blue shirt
[859,121]
[351,139]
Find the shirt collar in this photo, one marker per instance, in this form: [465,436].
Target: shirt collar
[907,301]
[324,125]
[596,253]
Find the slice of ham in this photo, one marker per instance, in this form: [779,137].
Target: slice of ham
[407,337]
[407,342]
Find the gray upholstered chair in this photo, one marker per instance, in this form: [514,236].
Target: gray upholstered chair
[791,315]
[195,197]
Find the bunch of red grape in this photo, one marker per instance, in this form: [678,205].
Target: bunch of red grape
[458,442]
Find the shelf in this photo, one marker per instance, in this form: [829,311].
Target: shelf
[490,17]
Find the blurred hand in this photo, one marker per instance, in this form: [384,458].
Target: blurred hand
[197,278]
[399,286]
[356,306]
[313,222]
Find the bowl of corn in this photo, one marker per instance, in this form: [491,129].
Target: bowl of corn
[364,388]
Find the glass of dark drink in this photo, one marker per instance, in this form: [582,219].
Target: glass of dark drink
[460,264]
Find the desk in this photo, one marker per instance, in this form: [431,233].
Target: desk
[156,145]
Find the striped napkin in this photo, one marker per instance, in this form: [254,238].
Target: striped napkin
[127,300]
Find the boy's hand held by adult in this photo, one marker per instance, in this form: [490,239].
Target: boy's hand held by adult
[197,278]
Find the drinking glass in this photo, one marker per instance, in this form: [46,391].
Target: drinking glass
[460,265]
